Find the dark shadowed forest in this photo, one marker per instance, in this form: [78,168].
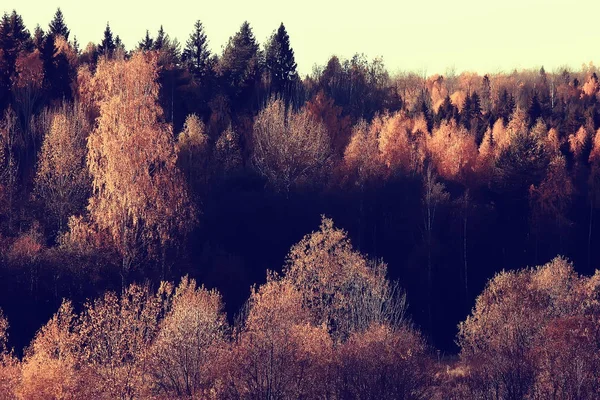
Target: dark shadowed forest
[181,224]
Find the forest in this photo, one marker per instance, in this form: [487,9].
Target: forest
[181,224]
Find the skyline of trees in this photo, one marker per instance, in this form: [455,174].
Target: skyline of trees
[122,170]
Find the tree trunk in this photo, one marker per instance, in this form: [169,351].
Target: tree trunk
[590,235]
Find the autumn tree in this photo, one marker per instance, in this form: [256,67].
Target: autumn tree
[453,152]
[341,288]
[117,333]
[362,157]
[513,340]
[191,340]
[289,148]
[51,362]
[138,197]
[10,371]
[62,181]
[228,154]
[338,126]
[277,352]
[193,154]
[384,363]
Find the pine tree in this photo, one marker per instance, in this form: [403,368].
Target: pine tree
[196,54]
[58,26]
[107,46]
[280,61]
[147,43]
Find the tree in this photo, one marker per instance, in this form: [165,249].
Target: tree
[57,26]
[280,63]
[453,152]
[190,342]
[14,39]
[196,54]
[340,288]
[384,363]
[51,361]
[277,354]
[240,67]
[289,148]
[339,127]
[228,154]
[193,154]
[116,334]
[62,183]
[107,46]
[10,369]
[159,42]
[526,327]
[38,38]
[147,43]
[139,196]
[433,196]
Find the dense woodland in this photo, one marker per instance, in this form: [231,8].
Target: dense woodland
[155,204]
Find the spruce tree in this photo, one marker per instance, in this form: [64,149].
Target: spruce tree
[159,42]
[20,33]
[147,43]
[38,38]
[240,62]
[58,26]
[107,46]
[196,53]
[280,61]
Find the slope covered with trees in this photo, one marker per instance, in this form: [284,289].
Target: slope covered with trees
[125,171]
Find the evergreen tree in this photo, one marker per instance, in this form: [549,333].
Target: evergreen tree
[280,62]
[58,26]
[241,66]
[147,43]
[14,38]
[20,33]
[107,46]
[119,44]
[38,38]
[159,42]
[196,54]
[57,71]
[76,46]
[505,106]
[535,109]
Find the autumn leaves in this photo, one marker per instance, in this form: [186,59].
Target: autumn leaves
[331,325]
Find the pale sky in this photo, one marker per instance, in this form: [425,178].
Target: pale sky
[473,35]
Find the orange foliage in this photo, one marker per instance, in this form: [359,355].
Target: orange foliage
[139,196]
[453,151]
[578,141]
[384,363]
[514,339]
